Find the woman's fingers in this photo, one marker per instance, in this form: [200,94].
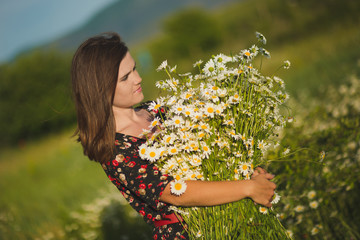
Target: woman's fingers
[263,189]
[260,170]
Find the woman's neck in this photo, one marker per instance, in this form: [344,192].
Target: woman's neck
[130,122]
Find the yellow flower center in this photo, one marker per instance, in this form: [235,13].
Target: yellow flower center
[152,154]
[178,186]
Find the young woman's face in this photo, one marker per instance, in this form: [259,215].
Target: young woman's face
[128,90]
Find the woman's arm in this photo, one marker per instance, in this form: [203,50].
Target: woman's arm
[209,193]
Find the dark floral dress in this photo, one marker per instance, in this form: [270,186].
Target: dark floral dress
[142,183]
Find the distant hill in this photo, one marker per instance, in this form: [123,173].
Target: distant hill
[134,20]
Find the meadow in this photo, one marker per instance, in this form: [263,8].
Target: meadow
[49,190]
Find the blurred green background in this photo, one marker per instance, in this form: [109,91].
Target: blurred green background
[49,190]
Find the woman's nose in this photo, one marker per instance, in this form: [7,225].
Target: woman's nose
[138,79]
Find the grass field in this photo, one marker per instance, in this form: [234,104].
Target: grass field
[42,182]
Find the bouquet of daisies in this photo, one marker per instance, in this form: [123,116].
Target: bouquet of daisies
[219,124]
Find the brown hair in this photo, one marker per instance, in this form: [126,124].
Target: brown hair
[94,74]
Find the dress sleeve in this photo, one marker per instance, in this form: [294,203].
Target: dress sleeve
[137,177]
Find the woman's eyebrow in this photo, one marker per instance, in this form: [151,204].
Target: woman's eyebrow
[127,74]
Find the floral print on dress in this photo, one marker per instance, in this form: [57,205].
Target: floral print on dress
[141,183]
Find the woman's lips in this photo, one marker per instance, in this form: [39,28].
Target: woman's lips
[139,89]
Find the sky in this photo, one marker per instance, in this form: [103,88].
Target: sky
[27,23]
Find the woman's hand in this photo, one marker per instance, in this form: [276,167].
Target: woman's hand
[261,189]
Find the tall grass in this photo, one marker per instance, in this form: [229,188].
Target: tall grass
[42,183]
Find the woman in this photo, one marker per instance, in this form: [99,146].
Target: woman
[106,87]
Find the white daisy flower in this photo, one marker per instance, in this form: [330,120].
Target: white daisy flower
[205,127]
[209,109]
[244,168]
[311,194]
[178,108]
[209,68]
[172,100]
[229,122]
[290,233]
[194,145]
[299,208]
[188,111]
[221,58]
[195,160]
[190,176]
[263,210]
[173,69]
[178,187]
[155,105]
[160,84]
[206,93]
[169,139]
[186,95]
[177,121]
[265,52]
[162,66]
[315,231]
[173,83]
[286,151]
[184,168]
[214,98]
[143,150]
[287,64]
[221,68]
[170,165]
[222,93]
[243,138]
[200,135]
[154,122]
[206,150]
[237,154]
[184,136]
[153,154]
[172,150]
[263,146]
[197,63]
[261,38]
[314,204]
[234,99]
[276,198]
[145,132]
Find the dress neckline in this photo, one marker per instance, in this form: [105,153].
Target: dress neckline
[127,135]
